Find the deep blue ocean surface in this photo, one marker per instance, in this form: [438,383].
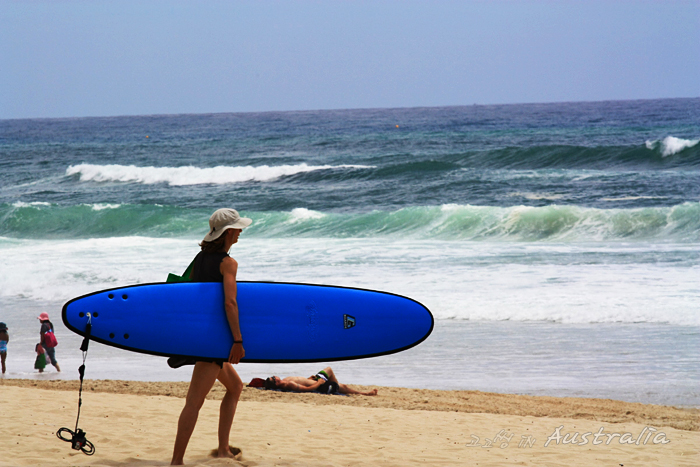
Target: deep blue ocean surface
[530,231]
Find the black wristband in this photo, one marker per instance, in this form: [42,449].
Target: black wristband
[237,342]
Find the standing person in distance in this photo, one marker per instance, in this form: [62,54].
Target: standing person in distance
[213,264]
[4,339]
[47,327]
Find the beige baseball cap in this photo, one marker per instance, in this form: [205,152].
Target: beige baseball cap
[224,219]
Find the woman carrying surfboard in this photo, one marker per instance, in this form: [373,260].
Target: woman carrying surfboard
[213,264]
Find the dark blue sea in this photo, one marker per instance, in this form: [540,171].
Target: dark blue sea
[557,245]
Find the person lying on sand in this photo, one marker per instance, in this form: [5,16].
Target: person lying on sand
[324,382]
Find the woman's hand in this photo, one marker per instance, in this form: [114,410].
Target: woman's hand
[236,354]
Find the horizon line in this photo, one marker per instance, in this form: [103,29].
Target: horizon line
[476,104]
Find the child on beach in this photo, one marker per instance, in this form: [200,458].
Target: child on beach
[40,362]
[49,347]
[4,339]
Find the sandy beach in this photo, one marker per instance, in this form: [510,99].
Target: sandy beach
[133,424]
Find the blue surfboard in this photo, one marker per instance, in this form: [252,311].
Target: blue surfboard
[280,322]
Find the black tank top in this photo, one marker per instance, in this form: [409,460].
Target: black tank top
[206,267]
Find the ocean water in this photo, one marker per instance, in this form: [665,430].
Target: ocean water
[557,245]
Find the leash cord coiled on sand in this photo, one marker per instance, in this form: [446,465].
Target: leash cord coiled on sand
[77,437]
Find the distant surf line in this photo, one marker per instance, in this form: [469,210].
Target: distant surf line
[191,175]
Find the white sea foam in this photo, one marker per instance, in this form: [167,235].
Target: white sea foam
[302,214]
[632,198]
[103,206]
[456,280]
[537,196]
[22,204]
[190,175]
[671,145]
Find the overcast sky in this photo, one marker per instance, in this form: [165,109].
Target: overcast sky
[97,58]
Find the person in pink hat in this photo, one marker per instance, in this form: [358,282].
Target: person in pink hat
[213,264]
[46,340]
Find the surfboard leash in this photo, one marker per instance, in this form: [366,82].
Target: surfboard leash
[77,437]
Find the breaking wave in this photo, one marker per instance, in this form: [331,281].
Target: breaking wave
[680,223]
[189,175]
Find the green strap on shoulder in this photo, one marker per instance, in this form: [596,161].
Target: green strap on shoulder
[186,276]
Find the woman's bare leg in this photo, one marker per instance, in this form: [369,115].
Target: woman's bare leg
[203,377]
[233,384]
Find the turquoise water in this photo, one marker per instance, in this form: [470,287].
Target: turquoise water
[531,232]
